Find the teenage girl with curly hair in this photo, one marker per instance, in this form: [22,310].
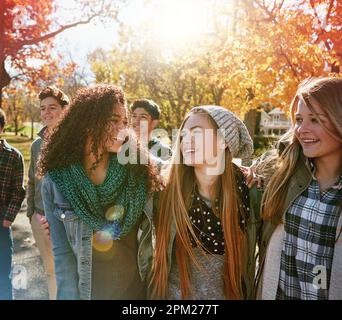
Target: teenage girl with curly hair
[96,206]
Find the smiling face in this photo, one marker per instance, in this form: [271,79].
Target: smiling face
[316,140]
[117,130]
[141,119]
[199,141]
[50,111]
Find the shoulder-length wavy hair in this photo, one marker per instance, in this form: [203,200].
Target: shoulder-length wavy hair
[89,115]
[327,92]
[174,204]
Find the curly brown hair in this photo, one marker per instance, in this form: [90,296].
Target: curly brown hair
[89,115]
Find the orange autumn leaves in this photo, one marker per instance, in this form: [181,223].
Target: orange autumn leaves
[259,54]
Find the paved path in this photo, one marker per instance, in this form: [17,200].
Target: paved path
[29,279]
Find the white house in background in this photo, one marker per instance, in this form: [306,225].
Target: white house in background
[274,123]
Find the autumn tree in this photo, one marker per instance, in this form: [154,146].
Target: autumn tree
[27,28]
[141,68]
[143,73]
[281,43]
[14,105]
[257,52]
[31,110]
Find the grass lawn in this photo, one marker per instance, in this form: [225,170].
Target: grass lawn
[23,144]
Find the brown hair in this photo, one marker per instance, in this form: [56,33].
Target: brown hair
[173,208]
[149,106]
[56,93]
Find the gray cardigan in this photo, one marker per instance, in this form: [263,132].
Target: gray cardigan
[272,239]
[270,276]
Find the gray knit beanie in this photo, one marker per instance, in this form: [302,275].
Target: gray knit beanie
[236,135]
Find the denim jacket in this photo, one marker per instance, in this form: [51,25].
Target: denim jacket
[72,244]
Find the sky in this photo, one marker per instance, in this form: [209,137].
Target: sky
[76,43]
[172,22]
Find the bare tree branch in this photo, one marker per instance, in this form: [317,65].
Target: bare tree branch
[281,5]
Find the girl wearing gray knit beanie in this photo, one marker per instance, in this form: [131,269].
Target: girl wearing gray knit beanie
[205,241]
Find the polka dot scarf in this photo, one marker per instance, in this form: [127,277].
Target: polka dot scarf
[207,226]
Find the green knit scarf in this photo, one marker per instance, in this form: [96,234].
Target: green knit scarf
[113,206]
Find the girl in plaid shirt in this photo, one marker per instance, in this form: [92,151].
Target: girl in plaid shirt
[301,246]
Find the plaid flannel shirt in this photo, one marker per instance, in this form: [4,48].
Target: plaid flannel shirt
[308,245]
[12,192]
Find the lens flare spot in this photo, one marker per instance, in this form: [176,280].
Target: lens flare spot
[115,213]
[102,241]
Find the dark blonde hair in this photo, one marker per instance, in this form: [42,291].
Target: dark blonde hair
[327,92]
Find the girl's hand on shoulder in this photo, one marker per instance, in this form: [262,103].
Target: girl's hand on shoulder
[252,178]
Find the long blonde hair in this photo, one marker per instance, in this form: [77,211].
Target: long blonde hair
[174,204]
[327,92]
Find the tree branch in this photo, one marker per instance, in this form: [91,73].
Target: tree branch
[281,5]
[16,46]
[322,31]
[266,10]
[312,3]
[331,5]
[289,62]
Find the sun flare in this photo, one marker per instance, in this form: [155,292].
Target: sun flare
[172,22]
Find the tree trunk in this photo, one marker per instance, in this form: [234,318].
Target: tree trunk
[32,122]
[5,79]
[250,121]
[4,76]
[16,126]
